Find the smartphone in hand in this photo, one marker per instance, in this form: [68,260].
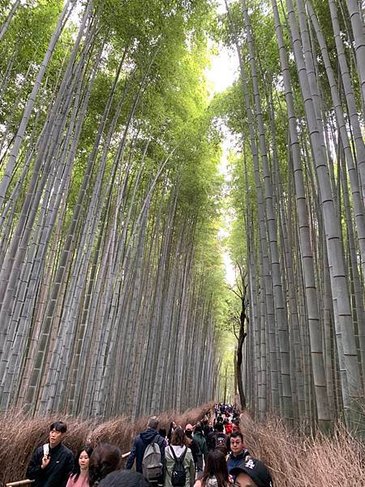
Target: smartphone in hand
[46,450]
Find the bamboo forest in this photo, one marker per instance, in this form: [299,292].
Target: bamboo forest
[127,182]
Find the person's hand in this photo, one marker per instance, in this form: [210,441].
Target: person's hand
[45,461]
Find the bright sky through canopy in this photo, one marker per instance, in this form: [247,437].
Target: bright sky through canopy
[222,73]
[224,65]
[223,70]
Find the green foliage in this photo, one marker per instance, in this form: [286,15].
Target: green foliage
[29,32]
[162,89]
[21,51]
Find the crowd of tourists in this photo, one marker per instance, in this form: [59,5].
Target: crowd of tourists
[211,453]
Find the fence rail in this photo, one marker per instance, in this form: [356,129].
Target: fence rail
[19,483]
[26,482]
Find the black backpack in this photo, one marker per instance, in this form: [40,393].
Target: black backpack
[178,473]
[221,442]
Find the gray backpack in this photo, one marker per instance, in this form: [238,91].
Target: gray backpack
[152,467]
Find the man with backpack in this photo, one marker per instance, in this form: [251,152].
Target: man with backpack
[217,439]
[149,452]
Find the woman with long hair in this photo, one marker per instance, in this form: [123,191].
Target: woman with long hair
[178,451]
[215,471]
[80,474]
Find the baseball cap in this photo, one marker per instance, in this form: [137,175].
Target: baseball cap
[256,470]
[189,427]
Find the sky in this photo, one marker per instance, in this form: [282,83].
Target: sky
[223,70]
[222,73]
[224,67]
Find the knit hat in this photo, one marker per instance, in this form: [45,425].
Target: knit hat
[256,470]
[124,478]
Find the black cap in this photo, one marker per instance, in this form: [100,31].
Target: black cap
[256,470]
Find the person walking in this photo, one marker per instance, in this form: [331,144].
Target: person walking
[124,478]
[198,436]
[179,458]
[252,473]
[105,458]
[217,439]
[80,475]
[215,471]
[172,427]
[238,451]
[148,437]
[191,443]
[52,463]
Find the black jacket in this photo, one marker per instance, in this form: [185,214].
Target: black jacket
[139,446]
[124,478]
[195,450]
[57,472]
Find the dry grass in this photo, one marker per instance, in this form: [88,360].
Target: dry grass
[21,435]
[296,460]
